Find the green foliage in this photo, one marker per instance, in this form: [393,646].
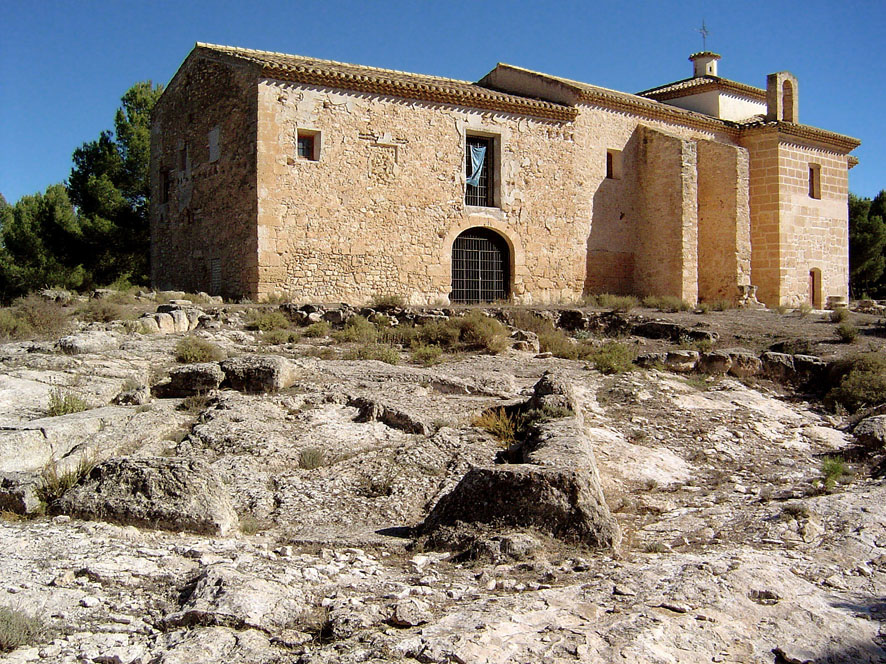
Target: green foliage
[867,245]
[387,301]
[500,424]
[275,337]
[839,315]
[858,382]
[31,317]
[378,352]
[266,320]
[805,309]
[621,303]
[832,471]
[667,303]
[18,628]
[102,311]
[426,355]
[438,333]
[190,350]
[54,483]
[317,330]
[357,329]
[613,357]
[847,332]
[62,402]
[480,332]
[194,404]
[404,335]
[311,458]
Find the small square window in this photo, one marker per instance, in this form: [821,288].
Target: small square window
[308,145]
[814,181]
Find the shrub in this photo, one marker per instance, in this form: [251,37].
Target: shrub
[621,303]
[480,332]
[805,309]
[357,329]
[32,317]
[839,315]
[500,424]
[374,352]
[438,333]
[668,303]
[62,402]
[387,301]
[250,525]
[614,357]
[859,382]
[315,330]
[702,308]
[526,320]
[847,332]
[54,484]
[100,311]
[12,326]
[266,320]
[281,337]
[426,355]
[399,334]
[722,304]
[18,628]
[190,350]
[196,403]
[311,458]
[832,470]
[782,309]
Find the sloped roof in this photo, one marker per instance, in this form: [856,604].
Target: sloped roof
[361,78]
[699,84]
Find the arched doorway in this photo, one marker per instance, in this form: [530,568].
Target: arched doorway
[481,264]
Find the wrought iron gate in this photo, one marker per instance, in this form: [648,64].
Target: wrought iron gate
[480,267]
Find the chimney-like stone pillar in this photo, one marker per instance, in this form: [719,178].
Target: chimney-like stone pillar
[704,63]
[781,97]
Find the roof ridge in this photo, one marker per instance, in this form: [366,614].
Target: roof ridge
[236,50]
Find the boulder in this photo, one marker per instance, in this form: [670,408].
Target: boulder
[525,341]
[681,361]
[156,492]
[223,596]
[778,366]
[18,493]
[552,390]
[376,410]
[809,368]
[572,320]
[716,362]
[410,612]
[92,341]
[745,363]
[259,373]
[651,360]
[871,431]
[193,379]
[560,501]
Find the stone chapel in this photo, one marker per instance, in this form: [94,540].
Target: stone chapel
[275,174]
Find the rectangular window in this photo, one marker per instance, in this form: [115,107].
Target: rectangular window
[613,164]
[479,171]
[214,149]
[308,145]
[814,181]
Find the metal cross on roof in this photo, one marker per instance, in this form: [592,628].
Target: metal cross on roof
[704,32]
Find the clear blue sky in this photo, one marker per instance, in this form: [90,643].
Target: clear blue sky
[65,65]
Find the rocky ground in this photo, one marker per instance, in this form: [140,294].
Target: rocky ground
[285,524]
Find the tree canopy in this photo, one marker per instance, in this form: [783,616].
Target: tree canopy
[94,229]
[867,243]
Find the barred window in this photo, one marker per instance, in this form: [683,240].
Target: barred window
[480,186]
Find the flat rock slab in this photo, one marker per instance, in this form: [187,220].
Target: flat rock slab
[91,341]
[193,379]
[260,373]
[226,597]
[155,492]
[872,431]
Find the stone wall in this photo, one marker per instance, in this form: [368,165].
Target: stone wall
[209,216]
[724,233]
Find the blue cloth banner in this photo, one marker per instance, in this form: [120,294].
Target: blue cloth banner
[478,154]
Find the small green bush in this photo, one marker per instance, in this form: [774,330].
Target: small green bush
[12,326]
[438,333]
[500,424]
[667,303]
[839,315]
[266,320]
[833,468]
[398,334]
[858,382]
[54,484]
[387,301]
[621,303]
[378,352]
[63,402]
[426,355]
[32,317]
[782,309]
[480,332]
[847,332]
[191,350]
[357,329]
[100,311]
[316,330]
[275,337]
[805,309]
[311,458]
[614,357]
[526,320]
[18,628]
[722,304]
[194,404]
